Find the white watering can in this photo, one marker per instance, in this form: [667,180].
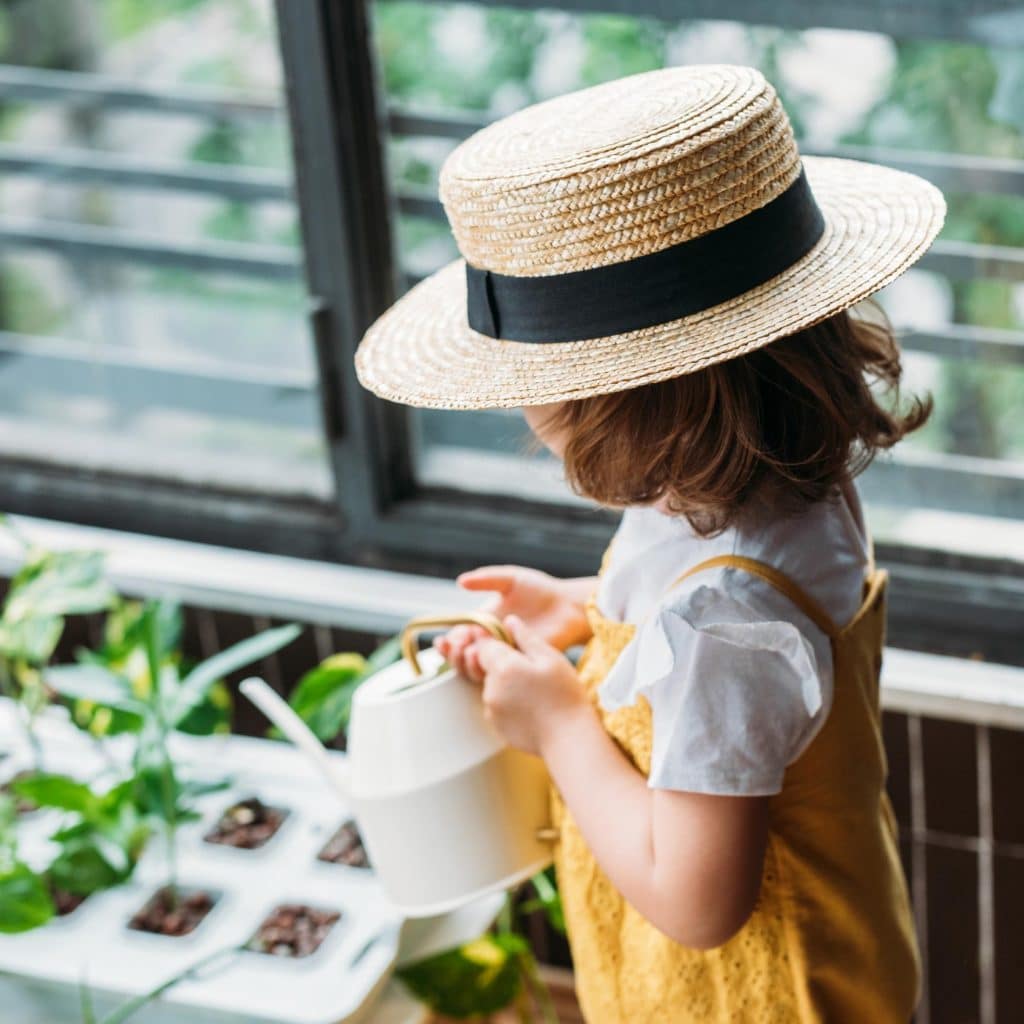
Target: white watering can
[447,810]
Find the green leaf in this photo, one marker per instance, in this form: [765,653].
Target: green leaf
[96,684]
[101,720]
[193,788]
[477,977]
[158,792]
[387,654]
[86,1004]
[25,902]
[33,640]
[59,583]
[211,715]
[323,696]
[197,683]
[81,868]
[130,1007]
[8,831]
[548,898]
[60,791]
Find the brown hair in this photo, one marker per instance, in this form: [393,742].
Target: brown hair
[782,424]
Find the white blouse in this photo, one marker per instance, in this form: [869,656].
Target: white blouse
[738,678]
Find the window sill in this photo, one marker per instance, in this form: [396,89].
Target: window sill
[379,601]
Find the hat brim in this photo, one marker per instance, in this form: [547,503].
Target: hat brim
[422,351]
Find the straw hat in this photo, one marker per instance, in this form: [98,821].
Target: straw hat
[634,231]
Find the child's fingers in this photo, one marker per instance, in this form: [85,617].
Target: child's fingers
[448,642]
[492,654]
[462,636]
[489,577]
[473,669]
[455,642]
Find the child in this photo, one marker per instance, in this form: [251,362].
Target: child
[655,275]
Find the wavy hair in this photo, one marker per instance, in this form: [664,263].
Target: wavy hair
[782,424]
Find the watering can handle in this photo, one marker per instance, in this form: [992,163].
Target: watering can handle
[412,630]
[493,625]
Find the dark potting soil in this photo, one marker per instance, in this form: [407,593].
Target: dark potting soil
[247,825]
[168,913]
[65,902]
[345,847]
[293,929]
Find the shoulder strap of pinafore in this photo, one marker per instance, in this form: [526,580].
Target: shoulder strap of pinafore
[779,580]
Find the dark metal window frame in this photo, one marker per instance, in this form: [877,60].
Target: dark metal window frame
[381,517]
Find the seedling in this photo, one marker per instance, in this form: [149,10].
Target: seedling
[25,902]
[158,702]
[323,696]
[101,839]
[49,586]
[483,976]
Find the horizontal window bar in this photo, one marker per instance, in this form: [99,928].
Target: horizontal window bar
[966,261]
[192,365]
[420,203]
[85,89]
[909,478]
[270,262]
[951,172]
[967,341]
[453,125]
[82,166]
[30,366]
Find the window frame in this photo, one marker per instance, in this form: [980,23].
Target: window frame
[380,516]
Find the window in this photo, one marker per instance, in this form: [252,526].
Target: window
[151,299]
[177,345]
[937,107]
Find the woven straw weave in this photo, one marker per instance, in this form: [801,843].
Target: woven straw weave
[621,170]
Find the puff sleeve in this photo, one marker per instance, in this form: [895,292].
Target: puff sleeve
[734,697]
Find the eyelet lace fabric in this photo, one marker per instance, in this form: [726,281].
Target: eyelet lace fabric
[831,937]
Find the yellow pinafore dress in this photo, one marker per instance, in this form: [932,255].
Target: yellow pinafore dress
[831,939]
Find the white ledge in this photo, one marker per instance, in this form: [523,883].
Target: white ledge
[380,602]
[206,576]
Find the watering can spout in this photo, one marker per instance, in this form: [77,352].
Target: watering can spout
[295,729]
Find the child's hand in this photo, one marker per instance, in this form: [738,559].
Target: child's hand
[526,692]
[548,605]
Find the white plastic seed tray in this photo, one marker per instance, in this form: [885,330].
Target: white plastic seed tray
[347,979]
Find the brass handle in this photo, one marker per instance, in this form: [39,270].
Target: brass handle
[547,834]
[413,628]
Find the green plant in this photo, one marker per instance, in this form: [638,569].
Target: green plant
[548,899]
[132,1006]
[100,840]
[124,652]
[492,972]
[49,586]
[164,706]
[323,696]
[25,902]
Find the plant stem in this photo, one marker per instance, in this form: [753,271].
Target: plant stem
[170,822]
[26,717]
[524,1010]
[167,781]
[132,1006]
[543,994]
[506,914]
